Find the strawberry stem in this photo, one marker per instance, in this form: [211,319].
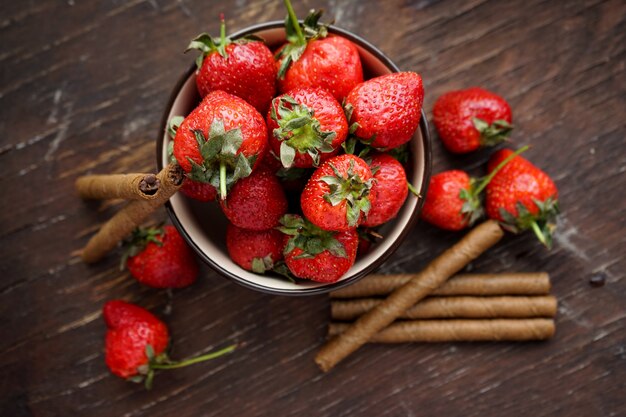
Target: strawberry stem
[222,30]
[223,180]
[191,361]
[294,22]
[413,190]
[486,180]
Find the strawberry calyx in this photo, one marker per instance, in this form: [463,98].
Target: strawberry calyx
[207,44]
[351,189]
[282,269]
[494,133]
[222,166]
[262,265]
[307,237]
[472,208]
[299,131]
[542,223]
[138,241]
[298,36]
[146,372]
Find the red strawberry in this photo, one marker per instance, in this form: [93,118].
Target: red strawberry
[337,196]
[221,141]
[193,189]
[387,109]
[316,254]
[522,197]
[256,202]
[389,187]
[244,68]
[256,251]
[469,119]
[130,330]
[444,205]
[306,127]
[160,258]
[312,58]
[198,190]
[136,341]
[454,199]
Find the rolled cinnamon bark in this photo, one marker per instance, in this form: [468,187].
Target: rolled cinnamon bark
[522,283]
[126,186]
[497,330]
[474,243]
[455,307]
[128,218]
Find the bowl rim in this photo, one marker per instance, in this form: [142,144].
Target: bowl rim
[426,139]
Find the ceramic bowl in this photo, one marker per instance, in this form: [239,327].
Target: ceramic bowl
[204,226]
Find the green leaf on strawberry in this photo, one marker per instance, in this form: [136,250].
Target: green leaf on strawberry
[542,223]
[298,36]
[138,240]
[282,269]
[207,44]
[261,265]
[309,238]
[351,189]
[222,165]
[299,131]
[494,133]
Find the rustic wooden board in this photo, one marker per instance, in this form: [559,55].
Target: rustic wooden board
[82,89]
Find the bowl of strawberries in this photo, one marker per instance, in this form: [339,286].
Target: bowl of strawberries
[305,149]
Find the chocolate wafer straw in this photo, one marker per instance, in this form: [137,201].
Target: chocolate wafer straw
[455,307]
[125,186]
[497,330]
[127,219]
[522,283]
[478,240]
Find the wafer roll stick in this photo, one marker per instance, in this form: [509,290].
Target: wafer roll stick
[450,262]
[515,283]
[498,330]
[455,307]
[126,186]
[128,218]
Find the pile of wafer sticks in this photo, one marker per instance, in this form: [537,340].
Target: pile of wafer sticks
[436,305]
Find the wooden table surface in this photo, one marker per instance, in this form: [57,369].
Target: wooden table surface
[82,89]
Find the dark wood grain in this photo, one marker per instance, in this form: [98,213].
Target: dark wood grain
[82,89]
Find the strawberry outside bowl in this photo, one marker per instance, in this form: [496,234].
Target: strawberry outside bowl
[204,226]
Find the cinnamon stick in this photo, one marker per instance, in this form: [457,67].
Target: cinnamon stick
[125,186]
[125,221]
[458,330]
[522,283]
[474,243]
[455,307]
